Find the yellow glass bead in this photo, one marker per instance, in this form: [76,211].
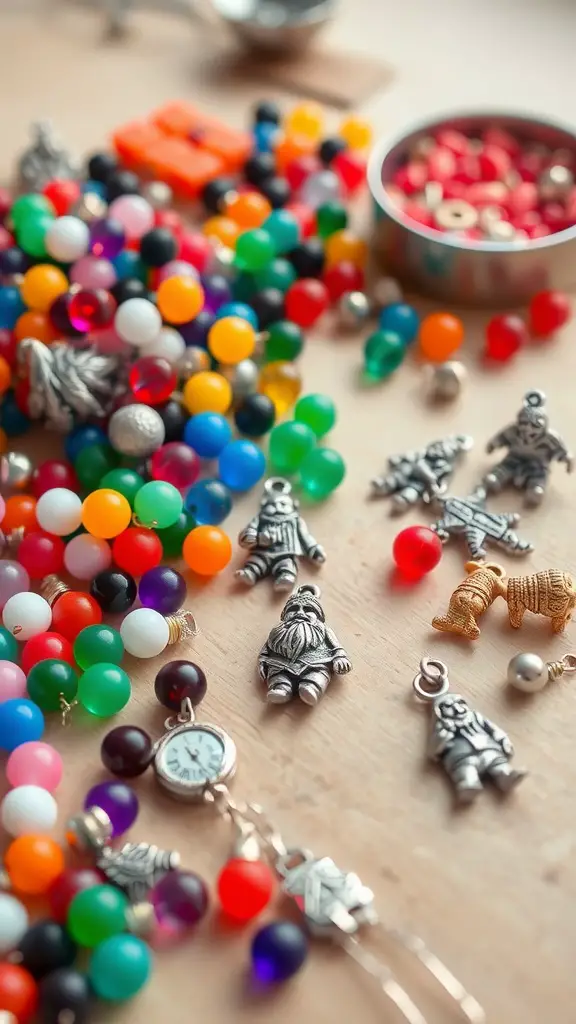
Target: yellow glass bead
[305,119]
[282,384]
[41,285]
[231,339]
[356,132]
[207,392]
[224,229]
[345,247]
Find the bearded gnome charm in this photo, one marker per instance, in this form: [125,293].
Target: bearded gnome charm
[301,653]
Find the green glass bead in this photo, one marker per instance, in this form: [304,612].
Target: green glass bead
[104,689]
[31,235]
[285,342]
[125,481]
[254,249]
[321,472]
[158,504]
[173,537]
[317,411]
[120,967]
[50,680]
[30,205]
[244,287]
[96,914]
[283,229]
[331,217]
[383,353]
[278,274]
[290,443]
[9,649]
[93,462]
[97,644]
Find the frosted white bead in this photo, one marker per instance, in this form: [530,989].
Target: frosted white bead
[138,322]
[13,922]
[59,511]
[169,344]
[67,239]
[144,632]
[26,614]
[28,810]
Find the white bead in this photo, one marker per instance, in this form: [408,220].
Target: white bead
[138,322]
[527,672]
[13,922]
[169,345]
[320,188]
[144,632]
[59,511]
[85,556]
[27,614]
[27,810]
[67,239]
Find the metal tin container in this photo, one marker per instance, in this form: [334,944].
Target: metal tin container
[455,268]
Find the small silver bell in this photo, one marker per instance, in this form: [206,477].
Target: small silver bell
[354,309]
[89,831]
[530,673]
[15,471]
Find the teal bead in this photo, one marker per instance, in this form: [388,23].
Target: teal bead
[278,274]
[96,644]
[120,967]
[321,472]
[158,504]
[383,353]
[9,649]
[125,481]
[104,689]
[173,537]
[290,443]
[244,287]
[93,462]
[50,682]
[317,411]
[283,229]
[284,343]
[254,249]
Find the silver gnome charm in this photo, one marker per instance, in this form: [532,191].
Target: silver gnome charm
[532,448]
[45,160]
[421,475]
[301,653]
[468,745]
[276,538]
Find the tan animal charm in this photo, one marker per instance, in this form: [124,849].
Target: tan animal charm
[549,593]
[471,599]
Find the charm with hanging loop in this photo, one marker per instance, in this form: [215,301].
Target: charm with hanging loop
[530,673]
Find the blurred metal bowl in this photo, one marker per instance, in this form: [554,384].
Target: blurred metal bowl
[275,26]
[455,268]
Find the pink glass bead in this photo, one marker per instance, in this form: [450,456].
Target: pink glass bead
[93,272]
[35,764]
[91,308]
[12,681]
[54,473]
[134,213]
[176,268]
[85,556]
[2,508]
[177,464]
[13,580]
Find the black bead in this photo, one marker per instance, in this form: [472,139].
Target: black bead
[114,590]
[330,148]
[129,288]
[308,258]
[268,305]
[268,113]
[213,193]
[259,167]
[178,680]
[122,183]
[65,995]
[255,415]
[14,261]
[126,751]
[158,247]
[277,192]
[101,166]
[45,947]
[174,417]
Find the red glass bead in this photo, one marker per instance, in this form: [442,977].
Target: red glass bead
[195,248]
[548,311]
[137,550]
[505,334]
[495,136]
[351,169]
[54,473]
[152,380]
[522,198]
[73,611]
[299,170]
[554,216]
[62,194]
[456,189]
[68,885]
[176,463]
[43,646]
[8,345]
[18,992]
[245,887]
[412,177]
[91,309]
[416,551]
[305,216]
[494,163]
[341,278]
[468,170]
[527,221]
[306,300]
[441,164]
[455,141]
[41,554]
[530,164]
[169,219]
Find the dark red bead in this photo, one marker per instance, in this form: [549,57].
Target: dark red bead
[177,681]
[180,900]
[54,473]
[67,885]
[126,751]
[8,345]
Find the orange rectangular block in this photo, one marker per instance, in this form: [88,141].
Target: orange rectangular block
[133,141]
[182,166]
[207,133]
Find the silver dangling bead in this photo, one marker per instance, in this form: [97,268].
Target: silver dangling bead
[354,309]
[445,380]
[530,673]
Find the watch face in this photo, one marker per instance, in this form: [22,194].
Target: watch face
[192,757]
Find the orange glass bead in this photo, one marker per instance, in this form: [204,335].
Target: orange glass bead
[207,392]
[231,339]
[41,285]
[20,512]
[207,550]
[5,375]
[356,132]
[224,229]
[18,993]
[34,324]
[106,513]
[291,147]
[440,335]
[345,247]
[33,863]
[306,119]
[180,299]
[281,382]
[3,441]
[248,209]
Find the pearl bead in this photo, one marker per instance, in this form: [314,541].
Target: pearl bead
[25,615]
[144,632]
[13,923]
[138,322]
[85,556]
[67,239]
[28,810]
[59,511]
[527,672]
[34,764]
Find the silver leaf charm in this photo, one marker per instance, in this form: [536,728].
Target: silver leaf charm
[137,867]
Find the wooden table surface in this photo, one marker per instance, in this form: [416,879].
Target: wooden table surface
[493,889]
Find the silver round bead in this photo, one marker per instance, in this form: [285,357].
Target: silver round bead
[221,261]
[243,377]
[527,672]
[194,360]
[555,182]
[136,430]
[446,380]
[158,194]
[385,292]
[89,207]
[15,471]
[354,309]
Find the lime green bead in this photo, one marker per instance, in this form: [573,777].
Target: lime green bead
[126,481]
[32,205]
[93,462]
[331,217]
[173,537]
[97,644]
[254,249]
[317,411]
[383,353]
[278,274]
[321,472]
[120,967]
[96,914]
[48,681]
[290,443]
[104,689]
[158,504]
[285,342]
[31,235]
[9,649]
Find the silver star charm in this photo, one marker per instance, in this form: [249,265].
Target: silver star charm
[469,517]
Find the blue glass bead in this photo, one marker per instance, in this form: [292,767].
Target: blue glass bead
[209,501]
[11,306]
[207,433]
[12,420]
[284,229]
[83,436]
[119,967]
[401,318]
[241,465]
[20,722]
[278,951]
[265,135]
[9,649]
[128,264]
[195,332]
[241,309]
[95,187]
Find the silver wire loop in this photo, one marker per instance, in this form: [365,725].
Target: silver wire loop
[277,485]
[432,679]
[185,716]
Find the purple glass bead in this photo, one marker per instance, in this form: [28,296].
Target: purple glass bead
[118,801]
[178,680]
[162,589]
[13,580]
[217,291]
[180,900]
[126,751]
[106,238]
[195,332]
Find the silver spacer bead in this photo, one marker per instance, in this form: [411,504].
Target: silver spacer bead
[445,380]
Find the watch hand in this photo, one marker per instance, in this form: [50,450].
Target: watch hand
[193,754]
